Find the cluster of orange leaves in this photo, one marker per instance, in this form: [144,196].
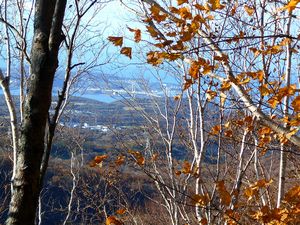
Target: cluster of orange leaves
[288,213]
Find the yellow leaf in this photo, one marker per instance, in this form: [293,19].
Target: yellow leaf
[272,50]
[291,5]
[215,4]
[249,10]
[264,90]
[126,51]
[285,41]
[210,95]
[244,81]
[223,97]
[227,125]
[226,85]
[249,193]
[117,41]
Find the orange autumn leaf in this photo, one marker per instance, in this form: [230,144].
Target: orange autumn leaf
[157,15]
[92,163]
[201,7]
[296,104]
[187,84]
[177,172]
[264,90]
[272,50]
[201,200]
[121,211]
[186,36]
[265,131]
[177,97]
[154,157]
[185,13]
[228,133]
[137,34]
[210,95]
[126,51]
[215,130]
[285,41]
[154,58]
[225,86]
[171,34]
[152,31]
[273,102]
[293,194]
[204,221]
[112,220]
[117,41]
[186,167]
[224,194]
[290,6]
[120,160]
[215,4]
[180,2]
[194,70]
[140,160]
[223,58]
[249,10]
[233,10]
[98,159]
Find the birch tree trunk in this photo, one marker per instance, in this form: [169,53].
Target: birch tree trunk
[48,19]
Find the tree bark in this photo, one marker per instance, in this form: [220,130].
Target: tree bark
[48,19]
